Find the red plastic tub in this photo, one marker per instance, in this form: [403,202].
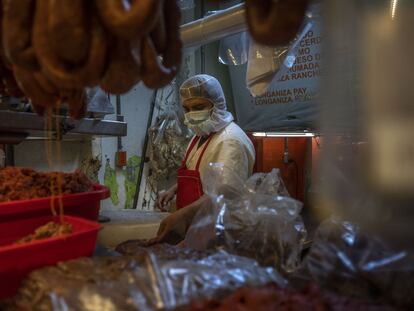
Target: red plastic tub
[17,261]
[85,205]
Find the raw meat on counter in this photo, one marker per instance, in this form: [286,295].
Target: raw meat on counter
[144,282]
[24,183]
[272,298]
[162,251]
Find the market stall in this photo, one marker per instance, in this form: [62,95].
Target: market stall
[94,129]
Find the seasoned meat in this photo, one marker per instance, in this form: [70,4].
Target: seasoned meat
[49,230]
[25,183]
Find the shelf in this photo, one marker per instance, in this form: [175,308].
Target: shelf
[16,126]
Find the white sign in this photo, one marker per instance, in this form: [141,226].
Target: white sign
[291,99]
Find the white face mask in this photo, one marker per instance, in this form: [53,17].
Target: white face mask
[199,122]
[196,117]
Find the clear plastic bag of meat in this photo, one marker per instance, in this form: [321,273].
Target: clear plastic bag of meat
[169,138]
[267,184]
[137,283]
[251,219]
[213,277]
[351,262]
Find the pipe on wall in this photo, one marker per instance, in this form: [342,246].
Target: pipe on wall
[211,28]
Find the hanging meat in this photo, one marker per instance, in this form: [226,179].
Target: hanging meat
[129,19]
[64,75]
[55,49]
[156,74]
[69,29]
[17,24]
[122,71]
[38,95]
[8,84]
[275,23]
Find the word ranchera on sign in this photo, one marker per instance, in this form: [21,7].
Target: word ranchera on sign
[298,83]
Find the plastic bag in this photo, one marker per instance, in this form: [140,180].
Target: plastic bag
[264,62]
[169,138]
[98,102]
[269,184]
[213,276]
[138,283]
[346,260]
[251,219]
[234,49]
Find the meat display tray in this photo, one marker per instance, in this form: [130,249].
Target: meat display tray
[85,205]
[18,260]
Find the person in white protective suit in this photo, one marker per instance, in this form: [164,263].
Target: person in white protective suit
[217,140]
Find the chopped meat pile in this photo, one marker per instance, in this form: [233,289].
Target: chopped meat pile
[272,297]
[25,183]
[162,251]
[49,230]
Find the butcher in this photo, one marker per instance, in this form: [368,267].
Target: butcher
[217,139]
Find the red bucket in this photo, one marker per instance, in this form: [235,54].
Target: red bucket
[18,260]
[85,205]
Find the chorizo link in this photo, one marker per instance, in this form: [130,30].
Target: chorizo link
[77,104]
[275,22]
[154,73]
[159,34]
[173,54]
[38,96]
[129,19]
[59,72]
[123,71]
[68,24]
[157,74]
[17,31]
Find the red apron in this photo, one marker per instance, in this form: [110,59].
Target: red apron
[189,186]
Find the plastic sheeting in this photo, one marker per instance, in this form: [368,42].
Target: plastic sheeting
[98,102]
[169,138]
[265,62]
[234,50]
[251,219]
[345,259]
[364,72]
[138,283]
[284,81]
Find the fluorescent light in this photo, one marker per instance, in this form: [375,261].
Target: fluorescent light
[394,4]
[283,134]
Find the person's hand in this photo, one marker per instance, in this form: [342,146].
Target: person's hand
[173,228]
[164,198]
[182,244]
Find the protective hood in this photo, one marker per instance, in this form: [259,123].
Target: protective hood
[208,87]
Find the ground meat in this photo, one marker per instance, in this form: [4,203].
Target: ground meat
[140,248]
[49,230]
[272,297]
[25,183]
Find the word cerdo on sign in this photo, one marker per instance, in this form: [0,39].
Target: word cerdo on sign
[290,102]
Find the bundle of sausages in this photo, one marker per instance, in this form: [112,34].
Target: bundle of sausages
[275,23]
[57,48]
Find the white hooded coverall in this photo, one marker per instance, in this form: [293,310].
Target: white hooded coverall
[229,145]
